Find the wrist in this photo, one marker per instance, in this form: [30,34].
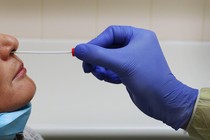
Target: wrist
[178,103]
[184,102]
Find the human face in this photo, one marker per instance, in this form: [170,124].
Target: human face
[16,88]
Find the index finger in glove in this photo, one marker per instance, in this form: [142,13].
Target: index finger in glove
[113,37]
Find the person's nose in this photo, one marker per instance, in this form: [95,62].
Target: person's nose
[7,45]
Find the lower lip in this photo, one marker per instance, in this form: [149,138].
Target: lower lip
[21,74]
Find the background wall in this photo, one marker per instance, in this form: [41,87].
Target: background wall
[187,20]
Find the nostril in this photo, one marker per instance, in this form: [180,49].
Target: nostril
[13,51]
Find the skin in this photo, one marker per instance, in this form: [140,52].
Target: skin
[16,88]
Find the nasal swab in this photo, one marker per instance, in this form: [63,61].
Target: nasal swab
[42,52]
[45,52]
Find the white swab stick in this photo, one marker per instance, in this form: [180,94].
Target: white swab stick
[45,52]
[42,52]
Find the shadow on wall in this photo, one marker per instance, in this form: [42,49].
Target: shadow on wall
[118,138]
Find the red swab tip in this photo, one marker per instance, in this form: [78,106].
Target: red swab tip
[72,52]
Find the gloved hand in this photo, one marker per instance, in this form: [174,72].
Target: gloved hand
[132,56]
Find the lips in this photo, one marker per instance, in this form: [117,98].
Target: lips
[21,72]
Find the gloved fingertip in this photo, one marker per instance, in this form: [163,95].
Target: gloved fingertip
[79,51]
[99,72]
[87,68]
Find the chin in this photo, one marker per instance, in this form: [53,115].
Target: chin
[31,87]
[17,95]
[25,92]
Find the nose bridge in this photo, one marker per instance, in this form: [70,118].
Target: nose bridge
[7,44]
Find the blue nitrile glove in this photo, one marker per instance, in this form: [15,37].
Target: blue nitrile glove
[12,123]
[133,56]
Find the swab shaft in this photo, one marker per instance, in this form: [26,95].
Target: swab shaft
[42,52]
